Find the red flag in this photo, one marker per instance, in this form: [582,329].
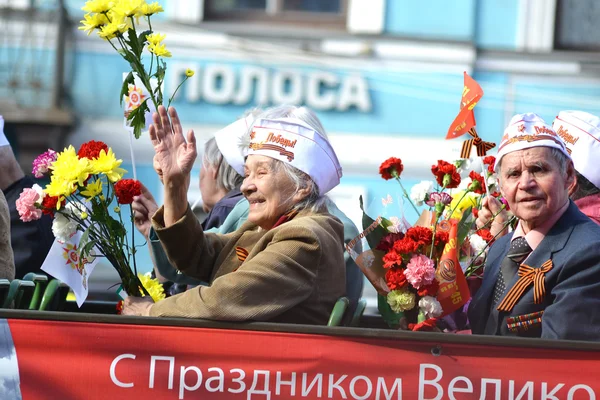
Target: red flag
[465,119]
[454,291]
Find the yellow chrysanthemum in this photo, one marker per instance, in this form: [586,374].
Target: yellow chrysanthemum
[60,188]
[128,8]
[160,50]
[154,288]
[107,164]
[150,9]
[155,38]
[401,300]
[118,26]
[91,22]
[70,168]
[466,200]
[92,189]
[189,73]
[98,6]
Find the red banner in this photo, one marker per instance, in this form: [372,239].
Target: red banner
[465,119]
[454,290]
[79,360]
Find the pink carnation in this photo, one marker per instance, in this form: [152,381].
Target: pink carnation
[420,271]
[43,162]
[26,205]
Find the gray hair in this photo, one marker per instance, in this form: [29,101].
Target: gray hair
[314,202]
[561,159]
[584,187]
[227,177]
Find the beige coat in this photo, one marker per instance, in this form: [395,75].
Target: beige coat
[292,273]
[7,263]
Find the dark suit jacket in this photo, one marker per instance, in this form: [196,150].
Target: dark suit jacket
[572,302]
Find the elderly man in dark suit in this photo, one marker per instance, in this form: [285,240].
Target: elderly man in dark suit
[542,280]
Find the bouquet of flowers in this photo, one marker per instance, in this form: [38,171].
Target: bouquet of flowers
[118,22]
[418,271]
[85,194]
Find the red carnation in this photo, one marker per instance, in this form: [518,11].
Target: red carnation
[420,234]
[441,237]
[395,278]
[485,235]
[91,150]
[391,168]
[429,290]
[392,259]
[478,184]
[429,325]
[446,174]
[49,205]
[406,246]
[126,189]
[489,160]
[475,212]
[388,241]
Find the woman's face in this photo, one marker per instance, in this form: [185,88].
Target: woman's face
[268,190]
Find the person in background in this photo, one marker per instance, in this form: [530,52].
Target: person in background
[581,133]
[543,279]
[285,264]
[7,264]
[30,241]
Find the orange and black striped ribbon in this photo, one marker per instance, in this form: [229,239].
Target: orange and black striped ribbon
[481,146]
[241,253]
[527,276]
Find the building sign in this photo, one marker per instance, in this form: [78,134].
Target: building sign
[224,84]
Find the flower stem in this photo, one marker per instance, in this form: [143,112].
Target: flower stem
[407,196]
[175,92]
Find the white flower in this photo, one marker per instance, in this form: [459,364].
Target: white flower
[75,208]
[38,189]
[63,228]
[430,307]
[477,243]
[419,191]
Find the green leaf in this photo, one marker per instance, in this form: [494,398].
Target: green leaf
[84,252]
[464,225]
[391,317]
[142,38]
[85,237]
[125,87]
[137,118]
[132,41]
[374,237]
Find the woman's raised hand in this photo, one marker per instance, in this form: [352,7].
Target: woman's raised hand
[174,155]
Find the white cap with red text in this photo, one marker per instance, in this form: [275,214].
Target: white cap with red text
[230,139]
[292,141]
[525,131]
[581,133]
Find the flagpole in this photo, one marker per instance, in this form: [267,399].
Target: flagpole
[132,153]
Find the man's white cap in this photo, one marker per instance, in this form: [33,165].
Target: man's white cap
[292,141]
[525,131]
[230,142]
[3,140]
[581,133]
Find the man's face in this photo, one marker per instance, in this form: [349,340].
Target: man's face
[533,184]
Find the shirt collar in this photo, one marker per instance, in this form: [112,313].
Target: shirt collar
[535,236]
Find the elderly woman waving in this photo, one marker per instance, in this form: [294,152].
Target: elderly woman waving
[285,264]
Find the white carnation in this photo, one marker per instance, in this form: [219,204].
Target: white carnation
[38,189]
[477,243]
[419,191]
[63,228]
[75,208]
[430,307]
